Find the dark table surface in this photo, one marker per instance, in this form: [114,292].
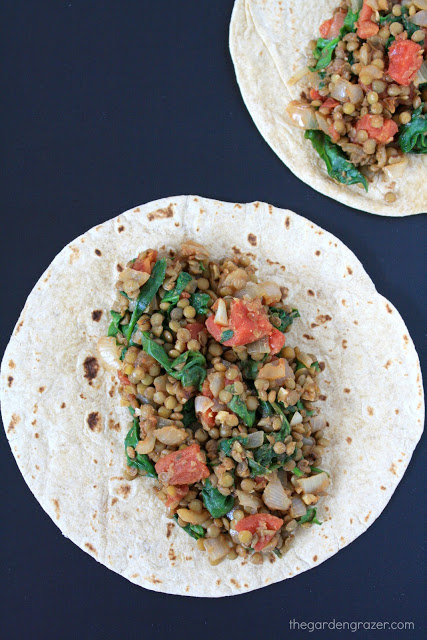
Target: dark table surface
[106,105]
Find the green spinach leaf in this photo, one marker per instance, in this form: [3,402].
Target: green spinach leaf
[239,407]
[146,294]
[192,371]
[196,531]
[173,295]
[114,327]
[189,413]
[413,136]
[200,302]
[227,445]
[226,335]
[323,52]
[310,516]
[141,461]
[217,504]
[337,165]
[286,319]
[250,369]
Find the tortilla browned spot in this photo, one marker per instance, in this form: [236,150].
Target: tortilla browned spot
[98,252]
[124,490]
[96,315]
[370,411]
[169,527]
[349,440]
[114,425]
[161,213]
[121,228]
[389,309]
[14,421]
[317,253]
[56,505]
[91,368]
[63,405]
[42,389]
[252,239]
[287,222]
[346,390]
[12,365]
[310,292]
[9,381]
[119,268]
[94,421]
[321,319]
[91,548]
[344,344]
[171,554]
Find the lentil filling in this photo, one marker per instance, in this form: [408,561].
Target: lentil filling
[365,96]
[224,414]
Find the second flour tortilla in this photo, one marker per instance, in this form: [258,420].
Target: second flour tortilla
[266,97]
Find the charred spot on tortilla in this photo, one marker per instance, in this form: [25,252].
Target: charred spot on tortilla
[252,239]
[94,421]
[98,252]
[160,214]
[350,271]
[9,381]
[56,506]
[97,315]
[19,327]
[91,368]
[370,411]
[91,548]
[14,422]
[287,222]
[317,253]
[119,268]
[349,440]
[121,229]
[63,405]
[310,292]
[42,389]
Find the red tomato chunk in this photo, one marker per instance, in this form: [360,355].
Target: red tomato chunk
[184,466]
[260,523]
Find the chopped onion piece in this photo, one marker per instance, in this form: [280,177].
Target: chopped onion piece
[255,440]
[314,484]
[259,346]
[217,547]
[216,382]
[274,496]
[317,423]
[421,76]
[420,4]
[108,351]
[420,19]
[250,291]
[221,313]
[193,517]
[394,171]
[274,370]
[171,435]
[270,292]
[298,508]
[296,419]
[345,91]
[146,445]
[302,115]
[298,75]
[202,404]
[248,500]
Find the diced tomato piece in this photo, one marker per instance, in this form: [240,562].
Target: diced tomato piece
[195,329]
[330,103]
[248,321]
[276,340]
[180,493]
[365,27]
[405,58]
[314,94]
[184,294]
[123,379]
[325,27]
[208,417]
[184,466]
[383,134]
[145,264]
[259,523]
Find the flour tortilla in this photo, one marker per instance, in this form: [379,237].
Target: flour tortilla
[62,415]
[265,54]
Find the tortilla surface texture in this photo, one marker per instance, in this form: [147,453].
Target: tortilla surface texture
[267,44]
[62,415]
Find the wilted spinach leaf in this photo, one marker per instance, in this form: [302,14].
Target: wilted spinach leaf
[146,294]
[200,302]
[337,165]
[196,531]
[217,504]
[310,516]
[413,136]
[114,327]
[286,319]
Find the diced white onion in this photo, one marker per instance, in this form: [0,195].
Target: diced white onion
[420,18]
[108,351]
[296,419]
[314,484]
[317,423]
[202,404]
[221,313]
[146,445]
[259,346]
[248,500]
[298,508]
[270,292]
[420,4]
[217,547]
[395,171]
[421,76]
[274,370]
[255,440]
[274,496]
[345,91]
[171,435]
[302,115]
[216,382]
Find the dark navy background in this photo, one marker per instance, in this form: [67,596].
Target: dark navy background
[106,105]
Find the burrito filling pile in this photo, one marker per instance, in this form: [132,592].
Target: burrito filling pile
[223,412]
[365,99]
